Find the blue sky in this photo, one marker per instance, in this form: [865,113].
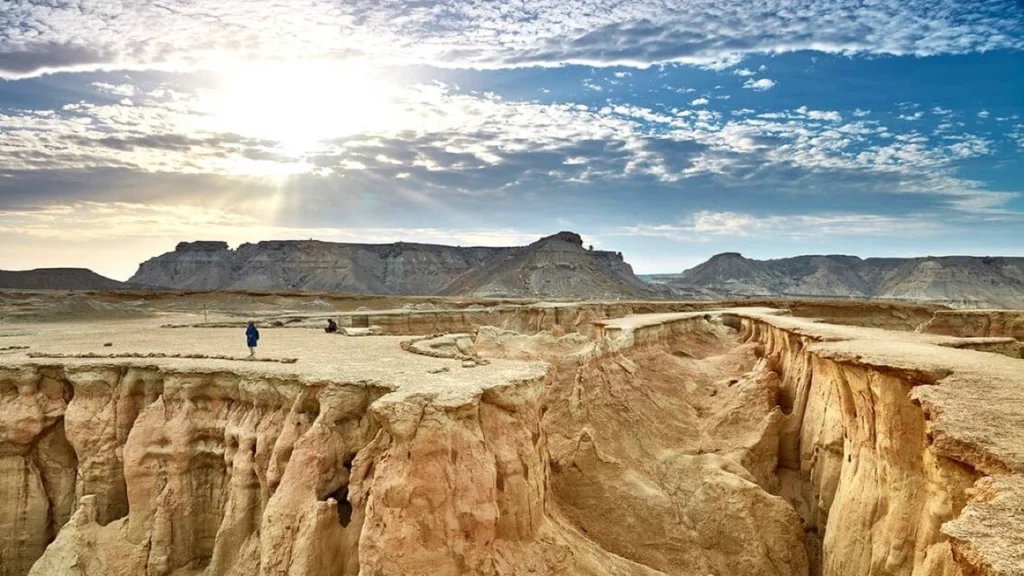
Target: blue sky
[668,131]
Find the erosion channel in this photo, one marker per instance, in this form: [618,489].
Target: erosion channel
[727,442]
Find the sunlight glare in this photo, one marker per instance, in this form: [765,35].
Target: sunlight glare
[298,104]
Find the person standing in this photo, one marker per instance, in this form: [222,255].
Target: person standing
[252,338]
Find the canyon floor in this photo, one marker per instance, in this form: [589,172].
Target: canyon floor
[441,437]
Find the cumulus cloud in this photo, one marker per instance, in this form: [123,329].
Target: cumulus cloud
[434,140]
[827,115]
[38,37]
[761,84]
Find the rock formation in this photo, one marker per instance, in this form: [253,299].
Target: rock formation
[556,266]
[956,280]
[723,442]
[400,268]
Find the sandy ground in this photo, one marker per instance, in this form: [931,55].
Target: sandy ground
[320,356]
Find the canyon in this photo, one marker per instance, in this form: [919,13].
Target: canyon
[450,437]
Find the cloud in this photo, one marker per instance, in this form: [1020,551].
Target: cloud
[39,37]
[700,102]
[761,85]
[984,114]
[744,72]
[435,146]
[116,90]
[704,224]
[21,60]
[1017,135]
[827,115]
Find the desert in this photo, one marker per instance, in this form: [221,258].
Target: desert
[511,437]
[511,288]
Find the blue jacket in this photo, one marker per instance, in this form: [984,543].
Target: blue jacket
[252,336]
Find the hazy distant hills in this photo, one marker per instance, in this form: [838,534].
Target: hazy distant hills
[955,280]
[555,266]
[59,279]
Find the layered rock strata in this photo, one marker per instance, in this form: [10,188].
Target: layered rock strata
[203,469]
[883,443]
[975,323]
[554,266]
[901,452]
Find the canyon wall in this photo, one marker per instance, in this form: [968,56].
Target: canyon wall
[883,443]
[694,443]
[213,472]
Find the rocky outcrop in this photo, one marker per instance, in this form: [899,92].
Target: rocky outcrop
[556,266]
[961,281]
[231,474]
[880,452]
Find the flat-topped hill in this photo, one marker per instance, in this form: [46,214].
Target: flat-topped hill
[555,266]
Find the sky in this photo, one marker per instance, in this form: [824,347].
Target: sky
[666,130]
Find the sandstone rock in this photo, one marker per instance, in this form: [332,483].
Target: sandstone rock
[684,444]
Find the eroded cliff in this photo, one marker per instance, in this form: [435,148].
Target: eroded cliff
[711,442]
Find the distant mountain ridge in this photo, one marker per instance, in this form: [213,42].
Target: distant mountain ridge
[59,279]
[970,281]
[554,266]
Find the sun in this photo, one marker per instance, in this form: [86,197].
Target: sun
[298,105]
